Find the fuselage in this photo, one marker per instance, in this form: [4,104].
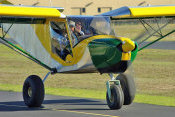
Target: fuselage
[98,49]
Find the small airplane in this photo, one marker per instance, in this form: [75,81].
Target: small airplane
[82,44]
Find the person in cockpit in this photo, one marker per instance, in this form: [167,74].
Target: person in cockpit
[78,29]
[72,31]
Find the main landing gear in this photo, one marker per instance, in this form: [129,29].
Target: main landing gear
[33,90]
[120,91]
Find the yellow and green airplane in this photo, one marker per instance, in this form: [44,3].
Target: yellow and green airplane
[81,44]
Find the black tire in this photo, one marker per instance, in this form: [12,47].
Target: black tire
[117,98]
[128,87]
[33,91]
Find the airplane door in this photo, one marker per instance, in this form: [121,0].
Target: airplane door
[60,44]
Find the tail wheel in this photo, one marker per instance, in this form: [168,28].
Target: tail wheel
[128,87]
[33,91]
[117,99]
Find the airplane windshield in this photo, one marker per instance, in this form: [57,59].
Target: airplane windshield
[84,27]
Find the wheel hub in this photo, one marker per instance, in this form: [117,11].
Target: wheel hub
[30,92]
[112,98]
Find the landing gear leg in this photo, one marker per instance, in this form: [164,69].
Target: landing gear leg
[33,90]
[114,95]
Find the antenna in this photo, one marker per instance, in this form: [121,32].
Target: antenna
[51,3]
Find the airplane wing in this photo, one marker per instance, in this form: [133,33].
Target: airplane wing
[26,30]
[146,25]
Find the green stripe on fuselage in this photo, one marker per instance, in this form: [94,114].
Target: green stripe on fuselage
[104,52]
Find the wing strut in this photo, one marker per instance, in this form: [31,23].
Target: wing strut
[156,40]
[153,34]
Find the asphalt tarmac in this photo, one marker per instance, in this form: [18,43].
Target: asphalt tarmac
[12,105]
[166,45]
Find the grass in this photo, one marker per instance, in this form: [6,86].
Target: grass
[154,76]
[154,70]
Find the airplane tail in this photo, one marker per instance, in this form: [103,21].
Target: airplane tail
[5,2]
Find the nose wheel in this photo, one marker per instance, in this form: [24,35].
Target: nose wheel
[114,95]
[115,100]
[120,91]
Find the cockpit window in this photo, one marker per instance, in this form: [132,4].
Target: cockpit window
[84,27]
[59,39]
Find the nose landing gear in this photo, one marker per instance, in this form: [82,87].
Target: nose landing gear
[120,91]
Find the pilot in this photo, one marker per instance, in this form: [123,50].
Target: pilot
[78,30]
[74,37]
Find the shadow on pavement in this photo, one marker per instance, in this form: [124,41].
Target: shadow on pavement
[74,102]
[15,106]
[20,106]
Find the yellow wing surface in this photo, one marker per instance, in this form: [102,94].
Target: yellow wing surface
[146,11]
[152,11]
[22,11]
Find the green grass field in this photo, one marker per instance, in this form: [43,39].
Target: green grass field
[154,76]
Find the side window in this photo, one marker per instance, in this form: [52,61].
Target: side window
[76,31]
[59,39]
